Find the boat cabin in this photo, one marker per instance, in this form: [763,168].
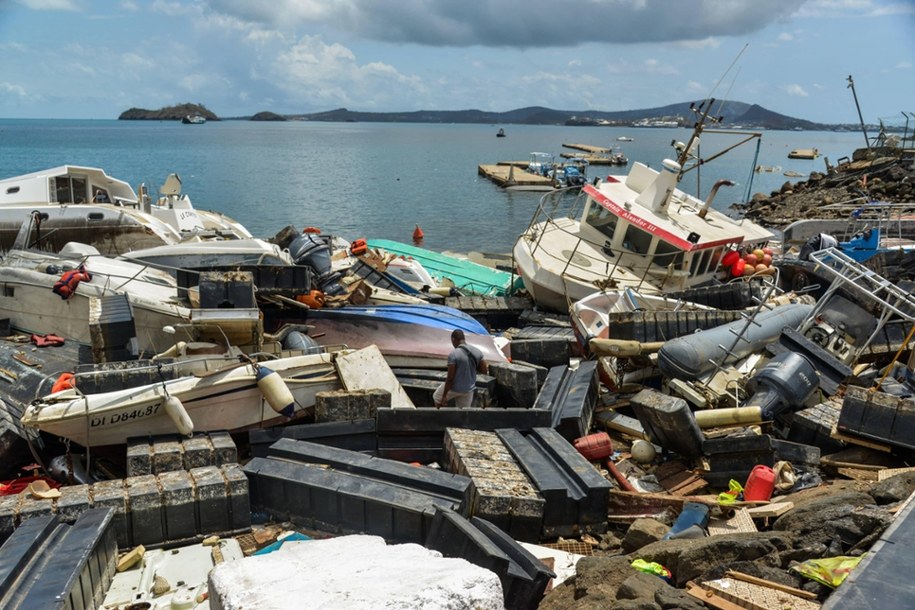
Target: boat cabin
[65,185]
[676,239]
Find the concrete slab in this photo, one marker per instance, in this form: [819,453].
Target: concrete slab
[366,574]
[366,369]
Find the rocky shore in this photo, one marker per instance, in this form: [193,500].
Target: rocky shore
[888,179]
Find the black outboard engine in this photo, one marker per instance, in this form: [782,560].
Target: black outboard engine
[309,249]
[785,382]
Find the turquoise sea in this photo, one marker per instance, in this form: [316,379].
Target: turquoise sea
[378,180]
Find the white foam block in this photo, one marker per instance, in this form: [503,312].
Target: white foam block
[356,573]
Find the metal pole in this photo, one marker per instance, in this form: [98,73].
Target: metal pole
[851,85]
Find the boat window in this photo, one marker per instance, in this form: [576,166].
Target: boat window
[716,258]
[12,189]
[637,240]
[9,291]
[70,189]
[700,262]
[665,254]
[601,219]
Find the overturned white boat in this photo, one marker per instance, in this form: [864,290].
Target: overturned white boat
[77,203]
[239,396]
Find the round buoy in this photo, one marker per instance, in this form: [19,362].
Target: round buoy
[275,391]
[179,416]
[643,452]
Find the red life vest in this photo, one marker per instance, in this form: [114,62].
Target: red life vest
[68,282]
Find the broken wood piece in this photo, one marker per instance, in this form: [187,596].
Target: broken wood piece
[130,558]
[21,357]
[775,509]
[771,584]
[710,598]
[740,522]
[857,440]
[887,473]
[858,474]
[757,597]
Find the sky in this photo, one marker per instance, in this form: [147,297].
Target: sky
[93,59]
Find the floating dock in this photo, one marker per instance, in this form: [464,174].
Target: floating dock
[511,175]
[804,153]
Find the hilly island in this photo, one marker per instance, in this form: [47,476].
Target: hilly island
[731,113]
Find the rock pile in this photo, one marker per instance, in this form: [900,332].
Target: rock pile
[888,179]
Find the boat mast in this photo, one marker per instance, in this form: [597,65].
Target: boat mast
[851,85]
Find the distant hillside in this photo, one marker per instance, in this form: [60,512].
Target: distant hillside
[732,114]
[169,113]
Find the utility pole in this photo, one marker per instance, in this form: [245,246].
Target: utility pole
[851,85]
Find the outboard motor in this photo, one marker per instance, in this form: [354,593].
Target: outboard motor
[309,249]
[299,341]
[785,382]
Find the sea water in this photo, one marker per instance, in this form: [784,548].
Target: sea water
[379,180]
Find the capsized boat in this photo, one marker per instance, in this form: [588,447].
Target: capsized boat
[590,316]
[84,204]
[636,231]
[236,397]
[467,276]
[407,335]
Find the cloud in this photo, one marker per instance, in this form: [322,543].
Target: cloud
[518,23]
[314,72]
[784,37]
[11,90]
[795,90]
[49,5]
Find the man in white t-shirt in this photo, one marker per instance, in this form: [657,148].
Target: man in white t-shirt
[464,362]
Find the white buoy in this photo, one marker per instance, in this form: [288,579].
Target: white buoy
[179,416]
[643,452]
[275,391]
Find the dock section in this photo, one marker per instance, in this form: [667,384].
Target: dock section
[512,176]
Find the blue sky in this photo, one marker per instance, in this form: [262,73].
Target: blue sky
[95,59]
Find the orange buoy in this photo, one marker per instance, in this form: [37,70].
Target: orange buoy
[418,234]
[311,230]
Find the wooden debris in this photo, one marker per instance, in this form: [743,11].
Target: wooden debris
[776,509]
[863,458]
[772,585]
[887,473]
[741,522]
[757,597]
[710,598]
[857,440]
[130,558]
[678,480]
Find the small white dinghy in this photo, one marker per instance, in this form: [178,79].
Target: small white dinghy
[235,397]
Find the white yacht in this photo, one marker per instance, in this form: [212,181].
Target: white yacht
[84,204]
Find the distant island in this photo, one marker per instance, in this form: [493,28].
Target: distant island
[169,113]
[731,115]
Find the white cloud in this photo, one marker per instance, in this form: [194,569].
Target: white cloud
[795,90]
[785,37]
[49,5]
[903,65]
[712,42]
[12,90]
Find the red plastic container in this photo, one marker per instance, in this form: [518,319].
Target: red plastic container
[760,484]
[595,447]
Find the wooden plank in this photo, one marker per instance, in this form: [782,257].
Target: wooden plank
[776,509]
[756,597]
[886,473]
[855,440]
[710,598]
[858,474]
[772,585]
[739,523]
[366,369]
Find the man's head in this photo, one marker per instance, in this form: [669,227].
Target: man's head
[457,337]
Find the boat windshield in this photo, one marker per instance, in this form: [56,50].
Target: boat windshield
[601,219]
[70,189]
[665,254]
